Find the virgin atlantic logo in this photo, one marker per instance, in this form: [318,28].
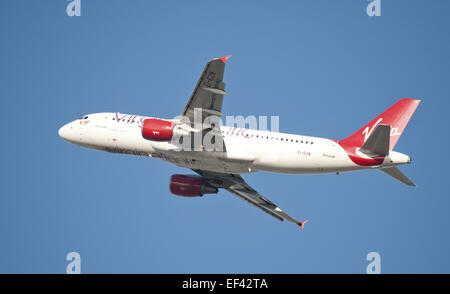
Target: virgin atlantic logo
[368,131]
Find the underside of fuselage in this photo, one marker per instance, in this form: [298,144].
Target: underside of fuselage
[219,163]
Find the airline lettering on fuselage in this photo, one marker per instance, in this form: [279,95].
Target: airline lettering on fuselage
[129,118]
[125,151]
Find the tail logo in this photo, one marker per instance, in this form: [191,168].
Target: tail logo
[395,132]
[366,131]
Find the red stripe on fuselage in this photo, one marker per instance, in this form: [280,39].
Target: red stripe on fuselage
[364,161]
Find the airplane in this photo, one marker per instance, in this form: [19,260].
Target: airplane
[237,151]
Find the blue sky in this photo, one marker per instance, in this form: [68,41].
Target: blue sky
[324,67]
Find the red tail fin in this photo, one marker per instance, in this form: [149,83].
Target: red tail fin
[397,116]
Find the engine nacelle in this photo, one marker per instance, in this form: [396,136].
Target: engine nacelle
[190,186]
[157,129]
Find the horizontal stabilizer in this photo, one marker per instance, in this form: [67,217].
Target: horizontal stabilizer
[398,175]
[378,141]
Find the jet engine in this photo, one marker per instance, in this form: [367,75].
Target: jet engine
[157,129]
[190,186]
[163,130]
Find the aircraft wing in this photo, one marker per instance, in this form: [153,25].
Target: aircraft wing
[208,93]
[236,185]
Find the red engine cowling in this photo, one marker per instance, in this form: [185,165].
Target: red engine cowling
[190,186]
[157,129]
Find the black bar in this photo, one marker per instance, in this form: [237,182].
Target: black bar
[296,283]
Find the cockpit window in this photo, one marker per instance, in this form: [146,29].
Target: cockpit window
[84,117]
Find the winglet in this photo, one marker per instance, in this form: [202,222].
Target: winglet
[224,59]
[301,224]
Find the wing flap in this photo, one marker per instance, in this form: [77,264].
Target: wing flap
[249,200]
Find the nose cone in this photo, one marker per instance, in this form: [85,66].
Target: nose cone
[67,132]
[62,132]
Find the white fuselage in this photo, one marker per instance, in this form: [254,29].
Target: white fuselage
[247,150]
